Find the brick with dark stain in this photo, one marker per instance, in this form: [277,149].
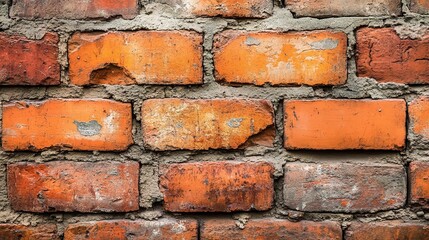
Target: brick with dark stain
[217,186]
[29,62]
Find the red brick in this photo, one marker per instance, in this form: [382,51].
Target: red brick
[142,57]
[29,62]
[344,187]
[328,8]
[72,124]
[388,230]
[384,56]
[170,124]
[311,58]
[270,229]
[21,232]
[74,186]
[217,186]
[225,8]
[124,229]
[420,6]
[73,9]
[419,183]
[345,124]
[418,112]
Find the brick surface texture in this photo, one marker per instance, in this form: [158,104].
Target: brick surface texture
[29,62]
[384,56]
[68,186]
[313,58]
[217,187]
[214,120]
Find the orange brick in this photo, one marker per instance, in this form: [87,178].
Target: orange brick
[388,230]
[328,8]
[74,186]
[344,187]
[226,8]
[420,6]
[419,182]
[74,124]
[418,112]
[311,58]
[270,229]
[29,62]
[124,229]
[170,124]
[21,232]
[217,186]
[384,56]
[345,124]
[143,57]
[73,9]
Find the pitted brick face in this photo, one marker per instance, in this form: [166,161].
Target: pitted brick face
[296,58]
[124,229]
[388,230]
[73,9]
[419,182]
[73,186]
[142,57]
[173,124]
[384,56]
[418,112]
[344,187]
[29,62]
[22,232]
[329,8]
[225,8]
[217,187]
[270,229]
[420,6]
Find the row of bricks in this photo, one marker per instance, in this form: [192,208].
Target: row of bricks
[218,229]
[225,186]
[91,9]
[231,123]
[175,57]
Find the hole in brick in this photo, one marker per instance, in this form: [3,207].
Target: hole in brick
[111,74]
[264,138]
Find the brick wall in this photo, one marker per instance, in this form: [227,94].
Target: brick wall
[228,119]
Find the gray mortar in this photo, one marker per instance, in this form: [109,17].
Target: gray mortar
[159,16]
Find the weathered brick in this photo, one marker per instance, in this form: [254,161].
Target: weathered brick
[124,229]
[270,229]
[384,56]
[420,6]
[344,187]
[74,186]
[419,183]
[170,124]
[388,230]
[217,186]
[29,62]
[418,112]
[142,57]
[225,8]
[345,124]
[76,124]
[21,232]
[310,58]
[73,9]
[328,8]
